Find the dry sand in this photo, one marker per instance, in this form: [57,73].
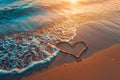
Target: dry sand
[105,65]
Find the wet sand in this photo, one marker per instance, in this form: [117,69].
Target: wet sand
[104,65]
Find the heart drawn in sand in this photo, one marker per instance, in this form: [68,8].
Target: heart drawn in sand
[73,49]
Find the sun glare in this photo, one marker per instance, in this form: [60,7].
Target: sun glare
[74,1]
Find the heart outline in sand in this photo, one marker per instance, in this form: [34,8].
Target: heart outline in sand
[72,45]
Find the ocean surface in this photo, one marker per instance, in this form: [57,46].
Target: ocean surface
[94,21]
[26,15]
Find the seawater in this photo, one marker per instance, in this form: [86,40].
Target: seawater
[22,16]
[17,15]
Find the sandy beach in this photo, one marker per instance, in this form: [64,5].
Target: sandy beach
[98,26]
[104,65]
[96,23]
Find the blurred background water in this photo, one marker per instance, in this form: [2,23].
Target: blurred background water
[27,15]
[16,15]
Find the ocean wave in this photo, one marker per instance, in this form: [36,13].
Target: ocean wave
[17,16]
[22,52]
[26,15]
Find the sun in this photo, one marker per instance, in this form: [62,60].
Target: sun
[74,1]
